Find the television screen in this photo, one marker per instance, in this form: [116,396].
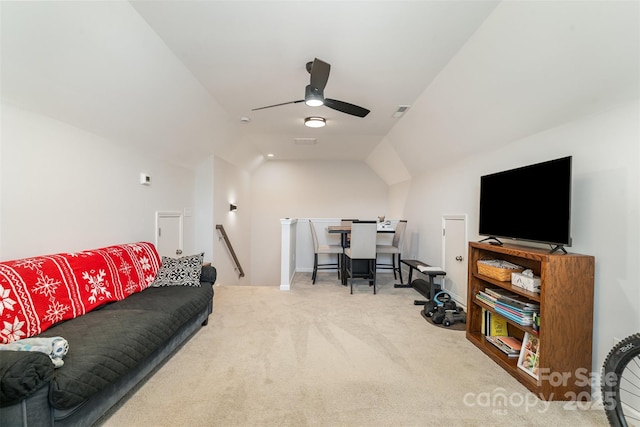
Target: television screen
[530,203]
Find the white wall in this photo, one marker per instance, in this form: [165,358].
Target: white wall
[605,210]
[64,189]
[204,206]
[231,185]
[306,189]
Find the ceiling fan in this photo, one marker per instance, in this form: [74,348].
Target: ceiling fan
[314,92]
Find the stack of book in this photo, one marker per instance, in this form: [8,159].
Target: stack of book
[493,324]
[510,305]
[487,298]
[519,311]
[510,346]
[496,330]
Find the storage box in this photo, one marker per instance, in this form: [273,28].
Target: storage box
[525,282]
[498,269]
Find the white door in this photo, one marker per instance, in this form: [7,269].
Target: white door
[169,234]
[454,255]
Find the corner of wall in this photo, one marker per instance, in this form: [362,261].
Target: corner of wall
[386,163]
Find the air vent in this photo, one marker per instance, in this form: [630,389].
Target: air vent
[304,141]
[400,111]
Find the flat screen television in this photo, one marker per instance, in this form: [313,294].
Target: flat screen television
[531,203]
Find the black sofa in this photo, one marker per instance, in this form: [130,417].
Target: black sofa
[111,350]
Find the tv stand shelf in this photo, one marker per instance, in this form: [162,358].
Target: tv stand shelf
[566,317]
[515,289]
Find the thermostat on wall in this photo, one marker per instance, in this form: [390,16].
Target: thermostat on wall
[145,179]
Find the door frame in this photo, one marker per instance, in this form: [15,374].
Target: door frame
[460,296]
[466,234]
[170,214]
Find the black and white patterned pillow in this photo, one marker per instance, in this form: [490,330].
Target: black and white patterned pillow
[183,271]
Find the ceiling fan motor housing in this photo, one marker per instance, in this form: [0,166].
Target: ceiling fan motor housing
[313,96]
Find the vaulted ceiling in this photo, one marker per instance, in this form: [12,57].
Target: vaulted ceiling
[253,54]
[176,77]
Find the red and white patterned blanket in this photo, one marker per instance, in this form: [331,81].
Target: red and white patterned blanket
[36,293]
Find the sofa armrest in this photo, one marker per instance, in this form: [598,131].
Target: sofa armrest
[22,373]
[209,274]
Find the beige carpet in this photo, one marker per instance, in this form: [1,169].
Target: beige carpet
[317,356]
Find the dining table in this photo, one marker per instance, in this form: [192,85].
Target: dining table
[344,231]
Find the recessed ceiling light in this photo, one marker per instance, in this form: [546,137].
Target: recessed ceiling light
[315,122]
[270,155]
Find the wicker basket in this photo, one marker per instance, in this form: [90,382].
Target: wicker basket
[498,269]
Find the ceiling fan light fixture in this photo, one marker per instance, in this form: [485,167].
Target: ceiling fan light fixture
[315,122]
[313,96]
[314,102]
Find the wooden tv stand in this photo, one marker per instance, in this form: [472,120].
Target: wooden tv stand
[566,318]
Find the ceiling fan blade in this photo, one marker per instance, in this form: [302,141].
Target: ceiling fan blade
[345,107]
[277,105]
[319,74]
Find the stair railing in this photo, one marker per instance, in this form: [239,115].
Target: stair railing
[223,235]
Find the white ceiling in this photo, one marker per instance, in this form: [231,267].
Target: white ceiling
[94,64]
[253,54]
[175,77]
